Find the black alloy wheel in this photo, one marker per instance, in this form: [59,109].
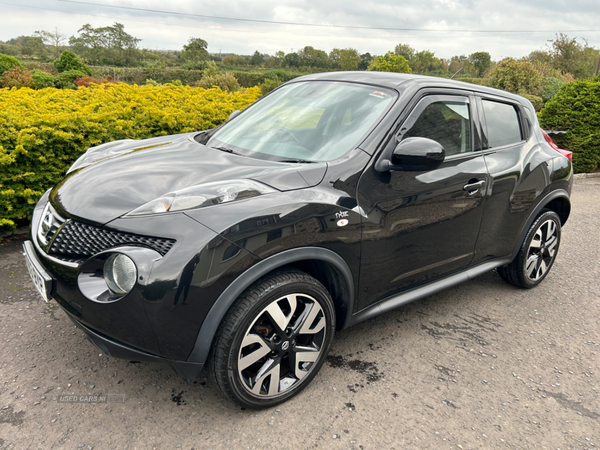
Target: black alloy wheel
[274,340]
[537,254]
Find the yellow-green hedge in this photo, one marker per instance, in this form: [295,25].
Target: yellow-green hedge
[43,132]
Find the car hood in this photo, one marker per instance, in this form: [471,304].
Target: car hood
[131,173]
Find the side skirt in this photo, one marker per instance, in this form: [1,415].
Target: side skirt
[397,301]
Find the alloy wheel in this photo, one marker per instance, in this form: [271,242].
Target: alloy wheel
[281,345]
[542,250]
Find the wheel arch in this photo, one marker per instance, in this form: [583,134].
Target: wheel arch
[561,206]
[557,201]
[326,266]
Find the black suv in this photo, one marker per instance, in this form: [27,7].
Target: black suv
[335,198]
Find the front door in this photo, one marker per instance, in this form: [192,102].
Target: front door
[423,225]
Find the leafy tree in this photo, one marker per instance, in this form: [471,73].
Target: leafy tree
[25,45]
[106,45]
[365,60]
[54,39]
[405,50]
[276,61]
[69,61]
[292,60]
[313,57]
[425,62]
[390,62]
[8,62]
[10,49]
[234,60]
[481,62]
[460,62]
[570,56]
[34,46]
[257,59]
[345,59]
[519,77]
[540,57]
[195,50]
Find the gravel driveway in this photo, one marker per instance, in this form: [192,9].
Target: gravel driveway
[482,365]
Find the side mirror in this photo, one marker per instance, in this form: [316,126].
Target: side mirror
[414,154]
[233,115]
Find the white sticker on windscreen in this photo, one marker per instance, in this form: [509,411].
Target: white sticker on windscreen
[378,94]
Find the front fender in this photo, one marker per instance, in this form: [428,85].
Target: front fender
[226,300]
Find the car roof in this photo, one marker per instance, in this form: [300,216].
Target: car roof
[395,80]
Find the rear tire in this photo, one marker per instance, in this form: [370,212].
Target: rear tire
[274,340]
[537,254]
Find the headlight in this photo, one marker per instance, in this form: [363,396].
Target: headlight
[203,195]
[120,274]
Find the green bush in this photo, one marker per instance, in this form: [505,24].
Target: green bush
[7,63]
[139,75]
[535,100]
[250,79]
[479,81]
[16,77]
[550,86]
[66,80]
[269,84]
[194,65]
[390,62]
[224,81]
[576,109]
[520,77]
[42,132]
[68,61]
[41,79]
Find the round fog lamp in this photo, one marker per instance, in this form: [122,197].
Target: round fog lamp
[120,274]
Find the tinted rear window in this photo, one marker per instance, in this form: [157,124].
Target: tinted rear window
[503,127]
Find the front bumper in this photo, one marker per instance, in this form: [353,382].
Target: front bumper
[186,370]
[151,320]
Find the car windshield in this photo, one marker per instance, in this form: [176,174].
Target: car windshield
[305,122]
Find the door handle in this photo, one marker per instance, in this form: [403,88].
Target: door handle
[473,188]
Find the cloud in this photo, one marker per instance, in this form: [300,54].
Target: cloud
[457,24]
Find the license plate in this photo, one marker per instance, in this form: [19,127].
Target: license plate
[41,280]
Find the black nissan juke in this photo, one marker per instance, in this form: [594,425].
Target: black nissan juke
[335,198]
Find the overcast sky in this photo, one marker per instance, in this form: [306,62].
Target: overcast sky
[446,27]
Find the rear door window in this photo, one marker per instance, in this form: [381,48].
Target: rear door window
[503,125]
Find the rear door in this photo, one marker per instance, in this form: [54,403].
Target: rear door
[519,174]
[423,225]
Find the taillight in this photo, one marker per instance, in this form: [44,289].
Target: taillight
[566,153]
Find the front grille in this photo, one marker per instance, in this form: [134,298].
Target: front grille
[49,224]
[81,240]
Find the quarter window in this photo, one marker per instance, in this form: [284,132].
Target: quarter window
[447,123]
[503,127]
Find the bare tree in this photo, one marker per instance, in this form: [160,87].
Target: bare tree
[54,39]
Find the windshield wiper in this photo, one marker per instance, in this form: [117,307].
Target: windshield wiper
[227,150]
[299,161]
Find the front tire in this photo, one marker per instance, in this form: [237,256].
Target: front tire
[537,254]
[274,340]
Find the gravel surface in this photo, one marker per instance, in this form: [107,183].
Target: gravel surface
[482,365]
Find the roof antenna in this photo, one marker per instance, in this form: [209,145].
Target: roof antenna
[457,72]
